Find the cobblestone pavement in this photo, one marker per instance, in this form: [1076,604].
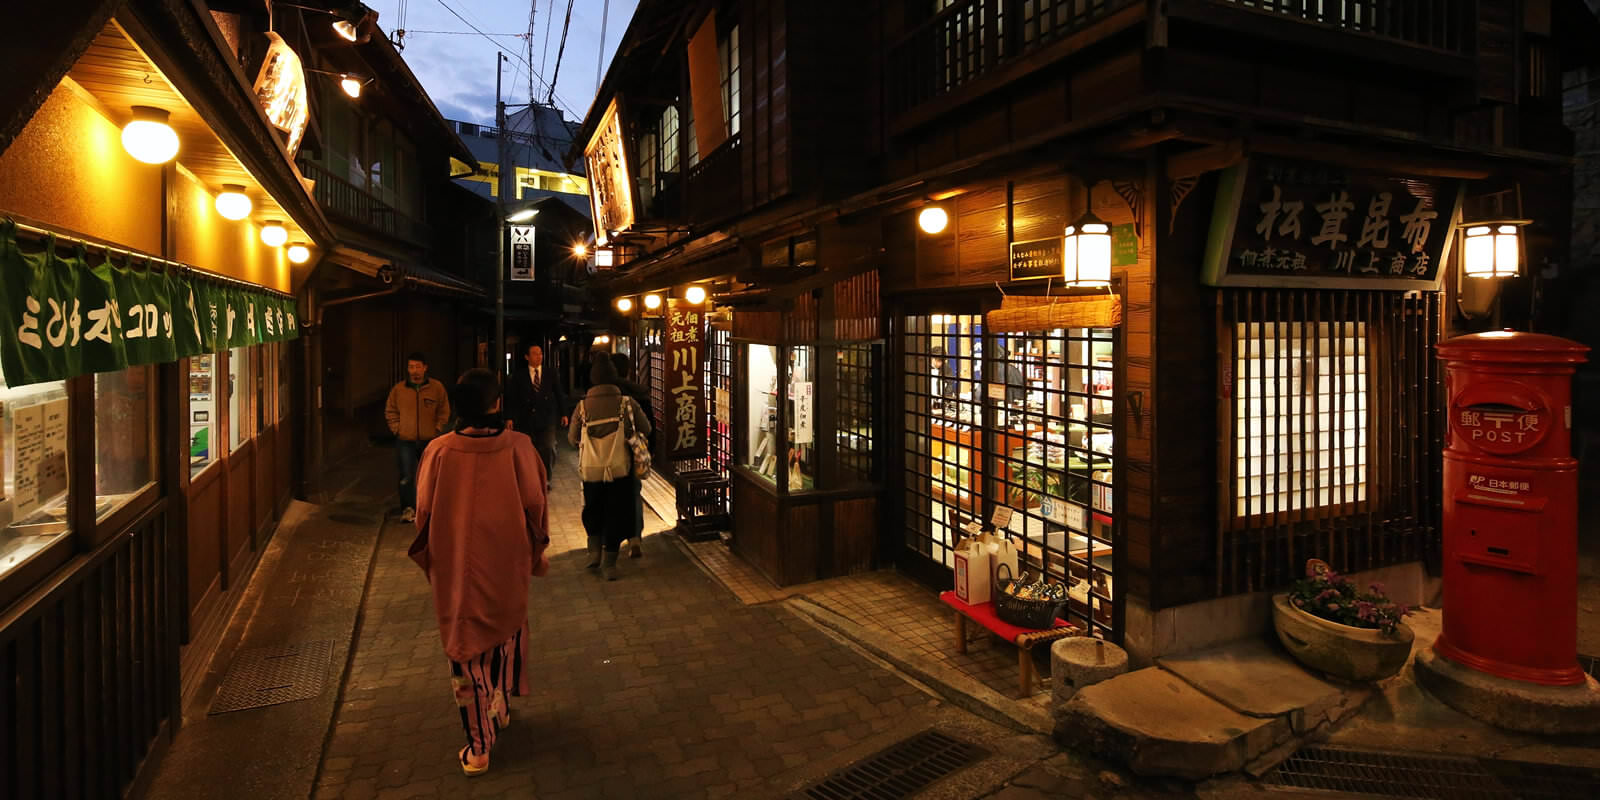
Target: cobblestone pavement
[658,685]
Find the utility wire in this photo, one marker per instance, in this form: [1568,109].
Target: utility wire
[565,105]
[565,26]
[544,58]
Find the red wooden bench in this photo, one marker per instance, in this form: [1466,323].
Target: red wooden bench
[1024,638]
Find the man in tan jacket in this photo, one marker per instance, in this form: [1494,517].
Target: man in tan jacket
[418,410]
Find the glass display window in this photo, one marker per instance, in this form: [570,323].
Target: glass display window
[943,441]
[762,450]
[204,445]
[124,441]
[802,435]
[239,417]
[33,510]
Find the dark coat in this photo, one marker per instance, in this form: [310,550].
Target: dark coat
[531,411]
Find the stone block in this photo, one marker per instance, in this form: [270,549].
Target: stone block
[1078,662]
[1509,704]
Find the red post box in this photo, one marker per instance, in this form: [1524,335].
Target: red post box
[1511,507]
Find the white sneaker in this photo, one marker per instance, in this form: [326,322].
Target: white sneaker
[408,515]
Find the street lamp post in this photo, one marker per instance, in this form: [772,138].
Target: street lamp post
[500,237]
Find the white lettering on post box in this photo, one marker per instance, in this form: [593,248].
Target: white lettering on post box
[1488,483]
[1499,429]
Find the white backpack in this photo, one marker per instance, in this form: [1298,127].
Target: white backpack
[605,458]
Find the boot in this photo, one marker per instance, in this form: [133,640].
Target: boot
[636,552]
[608,565]
[594,553]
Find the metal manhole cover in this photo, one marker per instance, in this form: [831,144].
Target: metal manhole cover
[266,676]
[1430,777]
[900,771]
[352,519]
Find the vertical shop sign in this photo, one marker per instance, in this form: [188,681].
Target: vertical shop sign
[803,400]
[522,252]
[685,360]
[1124,245]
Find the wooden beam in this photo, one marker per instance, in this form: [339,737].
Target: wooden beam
[1205,159]
[1368,158]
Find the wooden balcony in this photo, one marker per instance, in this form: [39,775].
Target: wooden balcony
[716,187]
[975,46]
[345,202]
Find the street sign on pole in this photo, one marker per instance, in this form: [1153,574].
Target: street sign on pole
[522,252]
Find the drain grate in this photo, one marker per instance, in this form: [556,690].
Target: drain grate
[267,676]
[897,772]
[1431,777]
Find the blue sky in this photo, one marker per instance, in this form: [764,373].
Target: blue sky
[458,68]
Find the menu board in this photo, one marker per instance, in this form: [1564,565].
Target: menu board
[41,453]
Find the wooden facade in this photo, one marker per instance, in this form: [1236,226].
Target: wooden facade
[1016,118]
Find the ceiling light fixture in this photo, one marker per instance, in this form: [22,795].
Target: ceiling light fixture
[233,203]
[149,137]
[273,234]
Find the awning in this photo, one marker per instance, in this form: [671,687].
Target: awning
[414,276]
[429,279]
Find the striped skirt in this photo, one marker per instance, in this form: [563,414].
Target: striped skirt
[482,685]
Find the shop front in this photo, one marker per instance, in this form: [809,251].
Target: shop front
[150,231]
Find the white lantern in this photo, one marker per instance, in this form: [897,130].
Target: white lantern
[695,295]
[148,137]
[1493,250]
[233,203]
[1086,253]
[652,301]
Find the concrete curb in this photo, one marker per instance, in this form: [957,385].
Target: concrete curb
[955,687]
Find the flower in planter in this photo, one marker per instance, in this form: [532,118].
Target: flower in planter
[1327,594]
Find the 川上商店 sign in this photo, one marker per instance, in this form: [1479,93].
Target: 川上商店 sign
[64,313]
[686,395]
[1293,223]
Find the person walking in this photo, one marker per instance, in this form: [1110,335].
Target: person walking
[482,531]
[418,409]
[600,428]
[641,397]
[537,403]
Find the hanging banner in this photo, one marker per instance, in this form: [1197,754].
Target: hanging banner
[1281,223]
[685,360]
[61,317]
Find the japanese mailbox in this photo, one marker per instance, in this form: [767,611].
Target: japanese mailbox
[1510,507]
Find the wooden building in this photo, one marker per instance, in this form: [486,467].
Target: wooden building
[1283,184]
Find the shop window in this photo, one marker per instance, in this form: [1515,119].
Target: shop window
[204,444]
[1299,417]
[762,449]
[239,396]
[33,511]
[943,445]
[124,441]
[855,401]
[646,148]
[719,387]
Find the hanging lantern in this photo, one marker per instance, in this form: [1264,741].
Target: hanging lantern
[695,295]
[652,301]
[1493,249]
[1086,253]
[148,137]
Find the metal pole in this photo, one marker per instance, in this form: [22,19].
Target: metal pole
[599,60]
[506,171]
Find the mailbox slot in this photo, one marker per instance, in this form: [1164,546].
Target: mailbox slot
[1500,533]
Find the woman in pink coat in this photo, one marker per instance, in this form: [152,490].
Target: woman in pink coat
[482,531]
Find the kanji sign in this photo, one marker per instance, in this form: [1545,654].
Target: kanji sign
[686,395]
[1291,223]
[522,237]
[1039,258]
[1499,428]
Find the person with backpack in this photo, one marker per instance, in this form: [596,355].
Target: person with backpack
[602,425]
[482,530]
[641,397]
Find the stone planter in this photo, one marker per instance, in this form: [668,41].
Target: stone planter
[1341,651]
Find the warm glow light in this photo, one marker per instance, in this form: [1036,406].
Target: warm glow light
[233,203]
[602,340]
[346,30]
[299,254]
[273,234]
[1492,251]
[624,304]
[652,301]
[933,219]
[350,85]
[580,250]
[1086,253]
[522,216]
[148,137]
[695,294]
[603,257]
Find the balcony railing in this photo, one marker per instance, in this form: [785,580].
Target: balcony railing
[970,38]
[1438,24]
[346,201]
[715,190]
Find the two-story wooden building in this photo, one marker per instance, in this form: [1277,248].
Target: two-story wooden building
[880,198]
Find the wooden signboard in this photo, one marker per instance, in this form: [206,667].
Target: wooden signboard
[1035,259]
[1301,224]
[610,180]
[685,359]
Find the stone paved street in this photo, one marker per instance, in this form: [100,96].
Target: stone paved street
[658,685]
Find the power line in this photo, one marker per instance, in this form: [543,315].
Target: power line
[565,105]
[560,52]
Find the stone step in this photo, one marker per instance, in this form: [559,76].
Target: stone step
[1256,678]
[1158,724]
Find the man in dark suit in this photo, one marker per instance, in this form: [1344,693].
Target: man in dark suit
[538,404]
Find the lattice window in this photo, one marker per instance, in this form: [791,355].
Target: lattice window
[1300,417]
[719,399]
[855,403]
[728,55]
[943,441]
